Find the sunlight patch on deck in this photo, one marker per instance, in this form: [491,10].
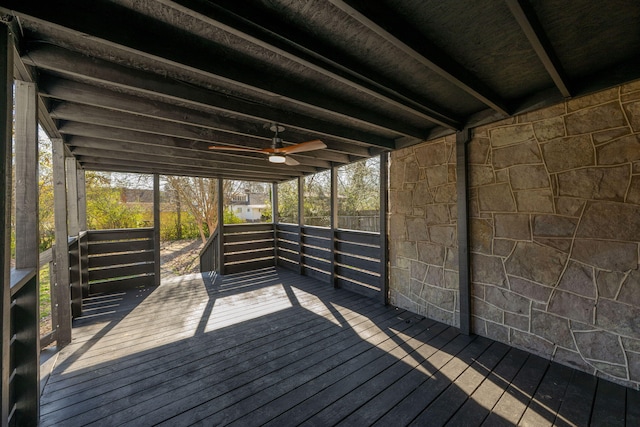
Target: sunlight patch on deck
[313,302]
[234,309]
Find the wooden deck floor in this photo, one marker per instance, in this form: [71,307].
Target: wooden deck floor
[273,348]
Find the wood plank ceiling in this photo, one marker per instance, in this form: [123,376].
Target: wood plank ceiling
[147,86]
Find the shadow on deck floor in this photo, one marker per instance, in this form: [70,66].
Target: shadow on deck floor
[270,347]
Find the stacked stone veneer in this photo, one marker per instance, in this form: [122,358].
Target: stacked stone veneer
[554,232]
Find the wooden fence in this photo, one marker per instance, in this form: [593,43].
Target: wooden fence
[348,259]
[120,259]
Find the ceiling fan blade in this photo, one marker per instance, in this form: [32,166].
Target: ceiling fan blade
[291,162]
[315,144]
[228,148]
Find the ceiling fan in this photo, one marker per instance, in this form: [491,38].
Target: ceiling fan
[277,152]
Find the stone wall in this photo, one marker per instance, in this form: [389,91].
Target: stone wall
[555,232]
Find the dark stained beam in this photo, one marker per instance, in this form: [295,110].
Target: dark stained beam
[158,41]
[215,159]
[82,93]
[84,152]
[528,21]
[72,64]
[134,167]
[295,47]
[202,136]
[425,53]
[161,141]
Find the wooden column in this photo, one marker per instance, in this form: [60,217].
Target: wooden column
[333,224]
[6,118]
[82,199]
[156,229]
[61,292]
[27,248]
[276,220]
[300,224]
[220,260]
[464,282]
[384,238]
[71,171]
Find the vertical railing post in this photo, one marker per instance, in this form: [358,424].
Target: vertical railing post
[384,207]
[276,220]
[61,287]
[6,119]
[300,224]
[27,251]
[333,224]
[156,228]
[220,248]
[82,199]
[72,196]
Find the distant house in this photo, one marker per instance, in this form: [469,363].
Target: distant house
[249,206]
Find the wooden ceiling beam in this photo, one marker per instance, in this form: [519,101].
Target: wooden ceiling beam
[82,93]
[132,136]
[528,21]
[158,41]
[102,72]
[295,47]
[186,155]
[276,172]
[202,137]
[102,166]
[425,53]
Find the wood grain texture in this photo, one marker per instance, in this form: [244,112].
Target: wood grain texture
[273,347]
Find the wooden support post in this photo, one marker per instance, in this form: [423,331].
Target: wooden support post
[220,260]
[333,224]
[82,200]
[384,238]
[6,119]
[464,282]
[72,196]
[27,248]
[300,224]
[156,229]
[276,220]
[61,292]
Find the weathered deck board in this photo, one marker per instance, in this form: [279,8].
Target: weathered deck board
[271,347]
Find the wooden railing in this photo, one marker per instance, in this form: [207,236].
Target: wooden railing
[248,247]
[209,256]
[351,258]
[120,259]
[24,348]
[348,259]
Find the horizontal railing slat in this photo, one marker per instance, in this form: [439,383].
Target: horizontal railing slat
[358,276]
[120,259]
[361,263]
[247,256]
[318,253]
[254,265]
[357,288]
[317,232]
[242,237]
[362,237]
[120,234]
[120,271]
[249,245]
[245,228]
[360,250]
[290,228]
[115,247]
[316,241]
